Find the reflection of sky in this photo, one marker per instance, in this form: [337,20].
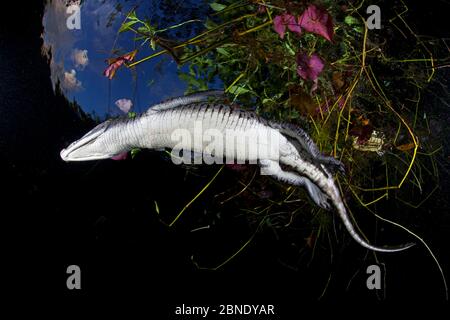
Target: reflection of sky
[81,75]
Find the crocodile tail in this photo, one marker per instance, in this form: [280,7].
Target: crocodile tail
[328,186]
[342,212]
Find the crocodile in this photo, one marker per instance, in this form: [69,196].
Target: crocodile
[294,149]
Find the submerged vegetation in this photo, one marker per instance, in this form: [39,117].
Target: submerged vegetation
[357,91]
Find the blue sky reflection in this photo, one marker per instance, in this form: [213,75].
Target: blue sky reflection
[78,58]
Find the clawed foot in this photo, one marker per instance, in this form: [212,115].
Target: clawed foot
[324,203]
[319,198]
[333,164]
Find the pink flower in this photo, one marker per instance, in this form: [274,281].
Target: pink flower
[309,67]
[115,64]
[124,105]
[318,21]
[280,23]
[120,156]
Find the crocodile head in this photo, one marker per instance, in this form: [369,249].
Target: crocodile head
[97,144]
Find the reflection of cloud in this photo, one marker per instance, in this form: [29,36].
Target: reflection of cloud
[80,58]
[124,104]
[56,35]
[70,81]
[59,41]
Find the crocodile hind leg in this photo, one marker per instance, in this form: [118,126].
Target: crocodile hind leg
[271,167]
[304,144]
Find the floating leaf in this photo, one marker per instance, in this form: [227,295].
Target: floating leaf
[351,21]
[286,20]
[132,16]
[127,25]
[156,207]
[223,51]
[279,27]
[116,63]
[134,152]
[317,20]
[289,47]
[303,102]
[217,6]
[309,67]
[237,90]
[153,44]
[358,29]
[209,24]
[337,80]
[406,147]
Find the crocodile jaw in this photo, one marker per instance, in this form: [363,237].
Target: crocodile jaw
[91,146]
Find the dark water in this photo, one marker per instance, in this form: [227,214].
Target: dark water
[101,216]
